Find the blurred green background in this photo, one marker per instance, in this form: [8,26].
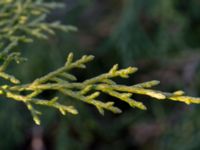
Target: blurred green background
[160,37]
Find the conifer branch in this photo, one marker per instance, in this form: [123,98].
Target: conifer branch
[89,90]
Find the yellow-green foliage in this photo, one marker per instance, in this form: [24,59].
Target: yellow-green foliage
[21,21]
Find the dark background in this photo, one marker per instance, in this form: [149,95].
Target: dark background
[160,37]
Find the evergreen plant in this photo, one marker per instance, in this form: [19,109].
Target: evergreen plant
[21,21]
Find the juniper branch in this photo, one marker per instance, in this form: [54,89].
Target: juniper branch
[89,90]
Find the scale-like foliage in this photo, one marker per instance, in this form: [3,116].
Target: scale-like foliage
[23,20]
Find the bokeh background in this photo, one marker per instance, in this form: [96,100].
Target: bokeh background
[160,37]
